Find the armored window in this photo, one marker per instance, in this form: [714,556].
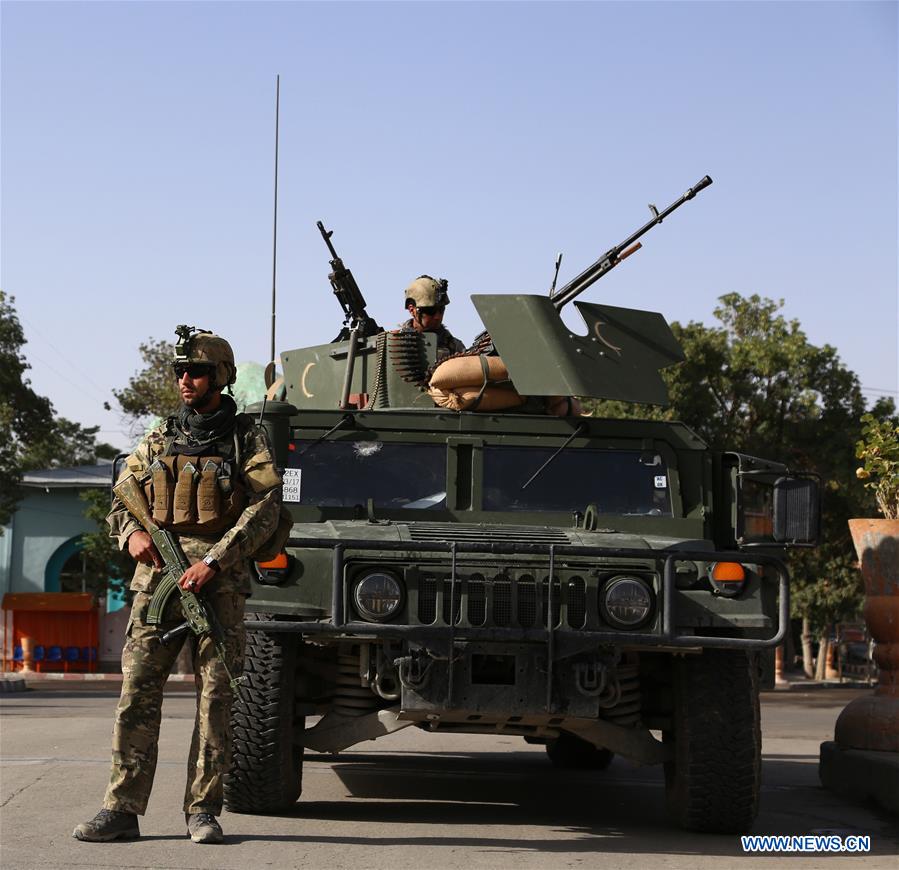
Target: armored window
[619,482]
[348,473]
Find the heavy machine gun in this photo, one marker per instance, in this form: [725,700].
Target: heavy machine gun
[611,258]
[483,343]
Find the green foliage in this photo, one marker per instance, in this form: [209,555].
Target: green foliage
[826,586]
[25,417]
[755,384]
[106,567]
[66,443]
[151,392]
[878,448]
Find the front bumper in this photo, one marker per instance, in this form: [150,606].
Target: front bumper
[561,641]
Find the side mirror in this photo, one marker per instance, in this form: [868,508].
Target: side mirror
[797,511]
[772,507]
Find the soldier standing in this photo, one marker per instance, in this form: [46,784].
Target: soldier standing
[210,478]
[426,300]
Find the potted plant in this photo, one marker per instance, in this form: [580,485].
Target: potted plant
[863,757]
[879,452]
[872,723]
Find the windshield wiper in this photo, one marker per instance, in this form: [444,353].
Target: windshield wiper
[582,427]
[346,419]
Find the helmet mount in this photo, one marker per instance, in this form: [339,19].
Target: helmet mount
[203,347]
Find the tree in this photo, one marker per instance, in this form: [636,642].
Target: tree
[25,417]
[106,567]
[755,384]
[151,392]
[66,443]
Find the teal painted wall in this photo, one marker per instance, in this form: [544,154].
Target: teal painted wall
[5,555]
[45,530]
[59,558]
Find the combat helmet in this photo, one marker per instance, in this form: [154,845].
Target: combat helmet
[427,292]
[200,346]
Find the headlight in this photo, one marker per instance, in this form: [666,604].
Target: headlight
[378,596]
[626,601]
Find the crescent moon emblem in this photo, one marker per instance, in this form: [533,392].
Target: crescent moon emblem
[603,340]
[306,392]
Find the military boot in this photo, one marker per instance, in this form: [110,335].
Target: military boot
[108,825]
[203,828]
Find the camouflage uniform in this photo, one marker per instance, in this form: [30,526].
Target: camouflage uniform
[447,343]
[146,662]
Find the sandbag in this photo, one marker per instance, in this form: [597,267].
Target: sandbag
[462,371]
[564,406]
[466,399]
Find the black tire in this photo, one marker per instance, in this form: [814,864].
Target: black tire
[573,753]
[266,774]
[712,783]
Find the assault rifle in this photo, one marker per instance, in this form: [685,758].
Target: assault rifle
[348,295]
[199,617]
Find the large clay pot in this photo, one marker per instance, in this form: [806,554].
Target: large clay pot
[872,722]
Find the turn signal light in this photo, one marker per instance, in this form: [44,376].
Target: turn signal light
[274,571]
[279,563]
[728,572]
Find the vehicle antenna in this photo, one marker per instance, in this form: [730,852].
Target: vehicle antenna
[275,228]
[271,365]
[556,275]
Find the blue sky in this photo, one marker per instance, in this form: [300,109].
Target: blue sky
[467,140]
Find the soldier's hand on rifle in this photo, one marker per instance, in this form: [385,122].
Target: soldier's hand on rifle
[195,577]
[141,548]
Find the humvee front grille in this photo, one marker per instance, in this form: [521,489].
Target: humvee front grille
[483,533]
[507,599]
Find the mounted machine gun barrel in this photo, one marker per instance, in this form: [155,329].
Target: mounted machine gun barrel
[611,258]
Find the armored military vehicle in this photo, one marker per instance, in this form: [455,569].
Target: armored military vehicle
[600,586]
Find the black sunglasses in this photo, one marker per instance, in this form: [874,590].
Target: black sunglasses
[431,309]
[192,370]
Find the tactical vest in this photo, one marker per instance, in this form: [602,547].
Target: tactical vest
[196,494]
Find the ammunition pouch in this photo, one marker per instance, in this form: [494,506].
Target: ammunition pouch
[194,495]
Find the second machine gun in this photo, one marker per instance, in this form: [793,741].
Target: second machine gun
[348,295]
[357,322]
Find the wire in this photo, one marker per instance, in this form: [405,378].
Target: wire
[66,358]
[79,387]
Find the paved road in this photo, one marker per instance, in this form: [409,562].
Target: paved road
[410,800]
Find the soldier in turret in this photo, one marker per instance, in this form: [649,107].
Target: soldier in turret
[426,300]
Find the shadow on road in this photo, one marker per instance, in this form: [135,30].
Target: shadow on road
[585,811]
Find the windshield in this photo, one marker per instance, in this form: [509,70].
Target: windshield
[622,482]
[348,473]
